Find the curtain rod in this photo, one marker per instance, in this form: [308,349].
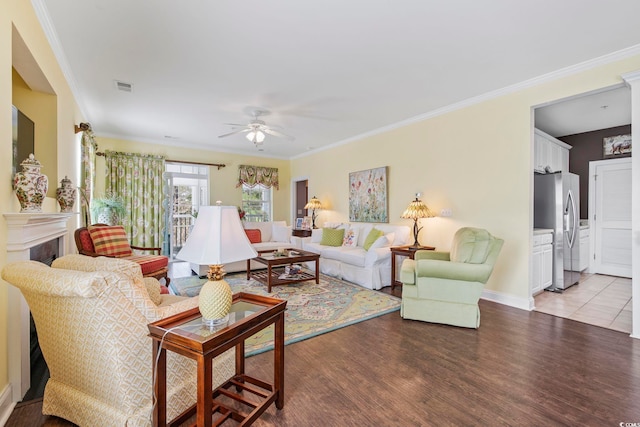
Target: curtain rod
[218,165]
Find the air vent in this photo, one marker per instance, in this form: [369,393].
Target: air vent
[123,86]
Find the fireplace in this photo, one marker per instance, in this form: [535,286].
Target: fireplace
[46,233]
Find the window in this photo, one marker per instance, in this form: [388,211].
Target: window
[257,203]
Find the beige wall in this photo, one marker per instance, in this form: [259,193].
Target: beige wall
[222,183]
[476,161]
[22,39]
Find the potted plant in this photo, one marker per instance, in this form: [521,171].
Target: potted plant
[108,209]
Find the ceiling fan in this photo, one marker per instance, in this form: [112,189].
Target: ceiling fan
[256,129]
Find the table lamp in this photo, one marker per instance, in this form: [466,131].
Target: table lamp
[217,238]
[415,211]
[313,204]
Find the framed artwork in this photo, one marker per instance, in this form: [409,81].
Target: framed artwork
[368,195]
[298,223]
[616,146]
[306,223]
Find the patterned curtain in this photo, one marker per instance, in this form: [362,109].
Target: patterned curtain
[89,147]
[254,175]
[137,179]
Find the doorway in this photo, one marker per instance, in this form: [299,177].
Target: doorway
[610,202]
[188,190]
[301,196]
[603,297]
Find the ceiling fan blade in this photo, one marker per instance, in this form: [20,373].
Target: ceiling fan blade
[272,132]
[234,132]
[236,124]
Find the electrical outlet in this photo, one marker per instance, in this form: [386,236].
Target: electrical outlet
[446,212]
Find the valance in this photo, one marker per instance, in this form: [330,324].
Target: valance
[254,175]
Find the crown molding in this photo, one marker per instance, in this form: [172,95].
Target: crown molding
[544,78]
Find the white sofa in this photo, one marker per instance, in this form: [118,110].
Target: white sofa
[273,235]
[368,268]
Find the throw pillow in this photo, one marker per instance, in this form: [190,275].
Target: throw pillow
[110,241]
[254,235]
[350,238]
[281,233]
[153,289]
[316,235]
[332,236]
[391,237]
[373,235]
[381,242]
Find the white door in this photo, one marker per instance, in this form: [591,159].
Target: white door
[610,201]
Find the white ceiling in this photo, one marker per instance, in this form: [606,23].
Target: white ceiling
[584,113]
[328,71]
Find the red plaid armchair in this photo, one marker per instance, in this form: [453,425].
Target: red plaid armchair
[112,241]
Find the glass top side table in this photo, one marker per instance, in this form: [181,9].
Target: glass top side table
[185,334]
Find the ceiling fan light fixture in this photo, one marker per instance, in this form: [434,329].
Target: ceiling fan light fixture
[257,137]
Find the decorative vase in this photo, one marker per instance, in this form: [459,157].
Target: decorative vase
[30,185]
[108,216]
[66,195]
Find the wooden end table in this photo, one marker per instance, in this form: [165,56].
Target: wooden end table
[272,275]
[300,232]
[188,337]
[406,251]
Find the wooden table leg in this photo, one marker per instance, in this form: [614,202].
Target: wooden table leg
[205,396]
[269,278]
[248,269]
[393,271]
[278,362]
[317,270]
[160,390]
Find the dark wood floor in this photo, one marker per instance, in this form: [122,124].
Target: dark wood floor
[519,369]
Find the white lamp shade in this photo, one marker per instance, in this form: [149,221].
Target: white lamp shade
[217,238]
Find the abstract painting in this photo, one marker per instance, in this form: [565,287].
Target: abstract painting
[368,195]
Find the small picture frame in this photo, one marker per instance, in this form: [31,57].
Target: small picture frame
[306,223]
[616,146]
[298,223]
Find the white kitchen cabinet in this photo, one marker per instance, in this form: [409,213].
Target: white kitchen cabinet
[542,261]
[584,248]
[549,151]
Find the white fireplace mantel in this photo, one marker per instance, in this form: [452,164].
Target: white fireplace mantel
[25,231]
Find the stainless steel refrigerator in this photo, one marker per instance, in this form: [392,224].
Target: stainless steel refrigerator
[556,206]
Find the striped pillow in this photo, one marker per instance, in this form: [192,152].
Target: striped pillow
[110,240]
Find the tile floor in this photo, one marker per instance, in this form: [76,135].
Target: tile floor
[597,300]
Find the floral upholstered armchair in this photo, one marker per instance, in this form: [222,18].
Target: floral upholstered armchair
[91,315]
[444,287]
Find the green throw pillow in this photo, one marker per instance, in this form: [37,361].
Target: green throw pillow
[332,236]
[373,235]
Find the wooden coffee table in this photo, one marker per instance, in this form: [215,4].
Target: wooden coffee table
[276,264]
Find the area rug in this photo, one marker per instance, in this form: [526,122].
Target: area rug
[311,309]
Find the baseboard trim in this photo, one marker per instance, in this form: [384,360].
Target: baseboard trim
[510,300]
[6,404]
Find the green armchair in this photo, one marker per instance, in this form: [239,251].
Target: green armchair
[444,287]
